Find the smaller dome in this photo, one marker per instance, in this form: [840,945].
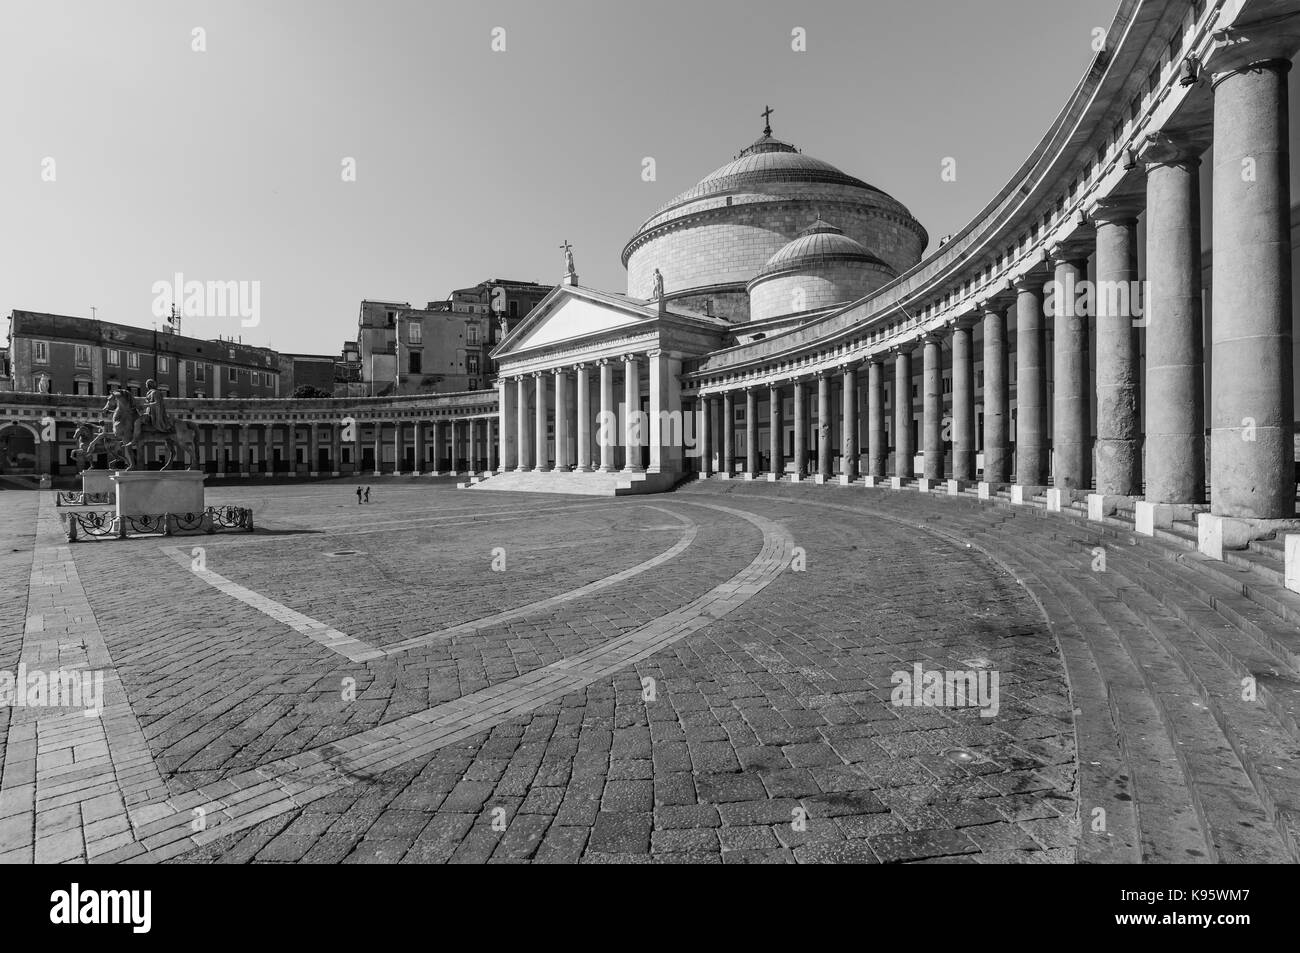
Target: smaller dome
[819,244]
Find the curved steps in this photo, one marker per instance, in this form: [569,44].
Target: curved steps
[1187,764]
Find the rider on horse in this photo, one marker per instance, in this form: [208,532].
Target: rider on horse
[155,414]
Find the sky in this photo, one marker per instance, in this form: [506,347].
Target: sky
[132,156]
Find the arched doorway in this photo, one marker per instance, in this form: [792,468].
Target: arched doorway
[17,449]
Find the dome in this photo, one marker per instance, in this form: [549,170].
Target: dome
[818,245]
[767,160]
[716,237]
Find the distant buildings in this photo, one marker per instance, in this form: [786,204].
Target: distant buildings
[443,347]
[60,354]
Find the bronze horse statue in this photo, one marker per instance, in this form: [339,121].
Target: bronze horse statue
[180,437]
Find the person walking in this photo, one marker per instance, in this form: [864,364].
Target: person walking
[358,496]
[367,494]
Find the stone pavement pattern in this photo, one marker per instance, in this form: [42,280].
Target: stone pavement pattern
[532,738]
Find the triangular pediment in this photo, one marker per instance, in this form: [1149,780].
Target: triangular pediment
[569,316]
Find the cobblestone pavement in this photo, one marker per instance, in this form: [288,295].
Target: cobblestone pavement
[459,676]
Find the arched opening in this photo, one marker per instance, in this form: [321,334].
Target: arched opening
[17,449]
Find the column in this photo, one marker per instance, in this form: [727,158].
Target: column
[540,414]
[932,407]
[997,463]
[336,449]
[775,431]
[563,462]
[903,414]
[313,444]
[399,445]
[488,425]
[632,425]
[507,428]
[1175,381]
[1116,302]
[849,423]
[419,444]
[665,412]
[1252,415]
[356,445]
[584,418]
[1032,459]
[1072,436]
[524,447]
[800,429]
[963,404]
[823,426]
[378,447]
[607,426]
[728,434]
[751,431]
[706,435]
[878,448]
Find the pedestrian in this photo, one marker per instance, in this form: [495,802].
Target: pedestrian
[358,496]
[367,494]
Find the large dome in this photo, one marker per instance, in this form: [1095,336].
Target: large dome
[821,268]
[716,236]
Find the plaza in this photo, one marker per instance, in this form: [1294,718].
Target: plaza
[702,676]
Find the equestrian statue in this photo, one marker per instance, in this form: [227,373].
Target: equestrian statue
[130,428]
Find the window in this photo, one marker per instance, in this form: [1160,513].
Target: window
[232,374]
[473,383]
[514,309]
[41,352]
[413,363]
[200,372]
[471,335]
[471,363]
[415,333]
[113,356]
[133,360]
[82,355]
[164,365]
[392,317]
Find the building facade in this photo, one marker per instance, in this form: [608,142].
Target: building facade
[61,354]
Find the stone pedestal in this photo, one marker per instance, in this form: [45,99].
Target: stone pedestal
[1293,562]
[773,477]
[873,481]
[927,485]
[96,481]
[152,492]
[1148,517]
[988,490]
[748,476]
[1101,505]
[1214,534]
[956,487]
[898,483]
[796,478]
[1023,494]
[1058,497]
[819,479]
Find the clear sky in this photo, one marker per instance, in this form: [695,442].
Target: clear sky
[225,165]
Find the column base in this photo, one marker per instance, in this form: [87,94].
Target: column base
[819,479]
[898,483]
[1023,494]
[1148,517]
[929,485]
[846,480]
[874,481]
[796,478]
[957,487]
[724,476]
[1292,575]
[772,477]
[1214,534]
[335,473]
[988,490]
[1101,505]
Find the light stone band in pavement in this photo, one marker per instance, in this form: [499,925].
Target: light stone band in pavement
[356,650]
[167,827]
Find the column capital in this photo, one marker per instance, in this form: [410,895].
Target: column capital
[581,366]
[934,336]
[1181,147]
[536,375]
[557,371]
[1116,210]
[1072,251]
[1267,43]
[996,303]
[630,358]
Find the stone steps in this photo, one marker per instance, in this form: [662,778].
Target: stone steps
[575,482]
[1155,649]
